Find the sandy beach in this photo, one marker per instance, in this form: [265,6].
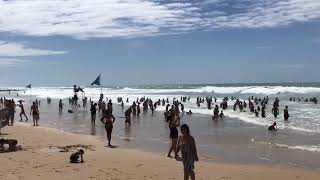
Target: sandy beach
[36,161]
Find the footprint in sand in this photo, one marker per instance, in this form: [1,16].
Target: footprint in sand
[139,165]
[226,177]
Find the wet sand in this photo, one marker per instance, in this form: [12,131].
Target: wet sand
[37,162]
[228,141]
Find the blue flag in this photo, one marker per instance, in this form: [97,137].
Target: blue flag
[97,81]
[29,86]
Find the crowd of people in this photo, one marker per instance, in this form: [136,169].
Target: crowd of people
[9,109]
[184,143]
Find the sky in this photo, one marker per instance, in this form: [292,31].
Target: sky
[136,42]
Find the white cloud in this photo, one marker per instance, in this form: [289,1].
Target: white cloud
[9,62]
[130,18]
[316,40]
[264,47]
[18,49]
[296,66]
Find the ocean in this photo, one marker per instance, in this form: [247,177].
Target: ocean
[240,136]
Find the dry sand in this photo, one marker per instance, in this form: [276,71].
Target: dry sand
[36,162]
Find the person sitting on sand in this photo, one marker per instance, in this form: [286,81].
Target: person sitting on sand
[74,158]
[273,127]
[11,142]
[187,145]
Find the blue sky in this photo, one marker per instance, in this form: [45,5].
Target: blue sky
[60,43]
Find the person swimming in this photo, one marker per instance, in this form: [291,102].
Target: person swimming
[273,127]
[189,112]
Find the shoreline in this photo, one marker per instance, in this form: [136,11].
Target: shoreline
[36,162]
[229,141]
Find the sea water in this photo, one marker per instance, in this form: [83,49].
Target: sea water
[239,136]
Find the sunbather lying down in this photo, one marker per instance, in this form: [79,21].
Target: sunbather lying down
[12,145]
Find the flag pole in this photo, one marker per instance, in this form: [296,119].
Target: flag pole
[100,84]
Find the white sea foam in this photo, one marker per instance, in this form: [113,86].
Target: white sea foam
[313,148]
[304,117]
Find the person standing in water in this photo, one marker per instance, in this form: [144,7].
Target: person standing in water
[187,145]
[22,112]
[286,113]
[127,115]
[174,121]
[275,111]
[35,114]
[108,120]
[122,105]
[138,110]
[60,105]
[93,110]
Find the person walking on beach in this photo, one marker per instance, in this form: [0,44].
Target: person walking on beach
[35,114]
[286,113]
[187,145]
[93,110]
[127,115]
[174,121]
[108,120]
[22,112]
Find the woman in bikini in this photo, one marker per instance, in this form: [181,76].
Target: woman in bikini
[108,120]
[35,114]
[187,145]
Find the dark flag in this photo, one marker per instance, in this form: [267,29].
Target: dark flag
[97,81]
[29,86]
